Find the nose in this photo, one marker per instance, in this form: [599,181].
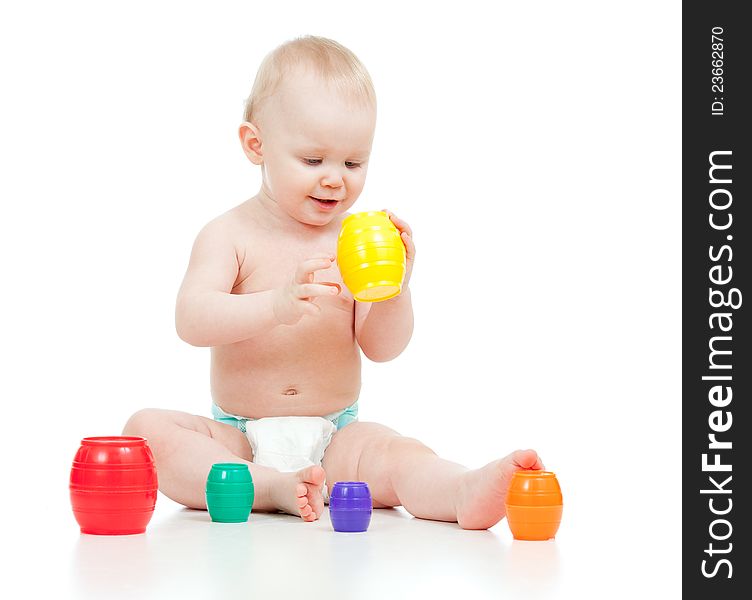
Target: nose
[332,179]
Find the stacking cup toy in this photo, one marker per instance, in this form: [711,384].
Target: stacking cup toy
[113,485]
[229,492]
[350,506]
[371,256]
[534,505]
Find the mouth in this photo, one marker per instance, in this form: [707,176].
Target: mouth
[325,203]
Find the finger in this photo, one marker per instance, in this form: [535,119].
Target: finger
[409,246]
[337,287]
[399,223]
[315,290]
[310,266]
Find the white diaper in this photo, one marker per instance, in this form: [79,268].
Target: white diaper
[290,443]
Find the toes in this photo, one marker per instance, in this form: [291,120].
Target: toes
[317,503]
[308,514]
[527,459]
[301,490]
[308,500]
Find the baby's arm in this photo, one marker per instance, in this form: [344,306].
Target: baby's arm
[208,314]
[383,329]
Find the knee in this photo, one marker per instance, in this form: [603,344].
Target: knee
[142,422]
[406,446]
[377,441]
[390,449]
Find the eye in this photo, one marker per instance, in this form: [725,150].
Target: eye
[351,165]
[312,161]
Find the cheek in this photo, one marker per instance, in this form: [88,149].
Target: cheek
[302,178]
[292,178]
[356,182]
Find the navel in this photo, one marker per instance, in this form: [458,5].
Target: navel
[291,391]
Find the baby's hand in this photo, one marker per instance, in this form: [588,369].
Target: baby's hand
[297,298]
[407,239]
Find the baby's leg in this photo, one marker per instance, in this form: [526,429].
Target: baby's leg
[403,471]
[186,446]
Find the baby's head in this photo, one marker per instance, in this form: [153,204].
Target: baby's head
[309,124]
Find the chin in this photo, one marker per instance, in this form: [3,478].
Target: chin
[317,220]
[314,216]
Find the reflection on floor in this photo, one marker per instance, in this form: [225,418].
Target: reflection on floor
[183,554]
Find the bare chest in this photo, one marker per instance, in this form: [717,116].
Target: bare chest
[313,365]
[271,263]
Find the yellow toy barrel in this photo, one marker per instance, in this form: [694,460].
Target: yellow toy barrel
[371,256]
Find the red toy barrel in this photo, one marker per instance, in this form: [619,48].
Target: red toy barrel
[113,485]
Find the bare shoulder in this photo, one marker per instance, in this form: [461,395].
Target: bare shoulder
[219,251]
[228,225]
[229,231]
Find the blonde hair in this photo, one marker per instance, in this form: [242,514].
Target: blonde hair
[337,65]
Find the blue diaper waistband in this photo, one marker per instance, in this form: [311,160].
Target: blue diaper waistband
[339,419]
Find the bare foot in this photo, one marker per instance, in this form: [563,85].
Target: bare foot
[480,502]
[300,493]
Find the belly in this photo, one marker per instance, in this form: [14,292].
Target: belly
[308,369]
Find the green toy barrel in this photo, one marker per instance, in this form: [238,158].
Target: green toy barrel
[229,492]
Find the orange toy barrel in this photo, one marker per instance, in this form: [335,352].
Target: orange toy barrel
[534,505]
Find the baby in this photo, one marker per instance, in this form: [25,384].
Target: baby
[262,289]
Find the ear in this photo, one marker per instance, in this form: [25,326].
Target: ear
[250,140]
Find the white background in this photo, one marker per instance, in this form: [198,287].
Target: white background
[534,148]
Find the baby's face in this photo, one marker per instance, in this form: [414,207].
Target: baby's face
[315,146]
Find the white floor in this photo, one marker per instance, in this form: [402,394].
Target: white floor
[185,555]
